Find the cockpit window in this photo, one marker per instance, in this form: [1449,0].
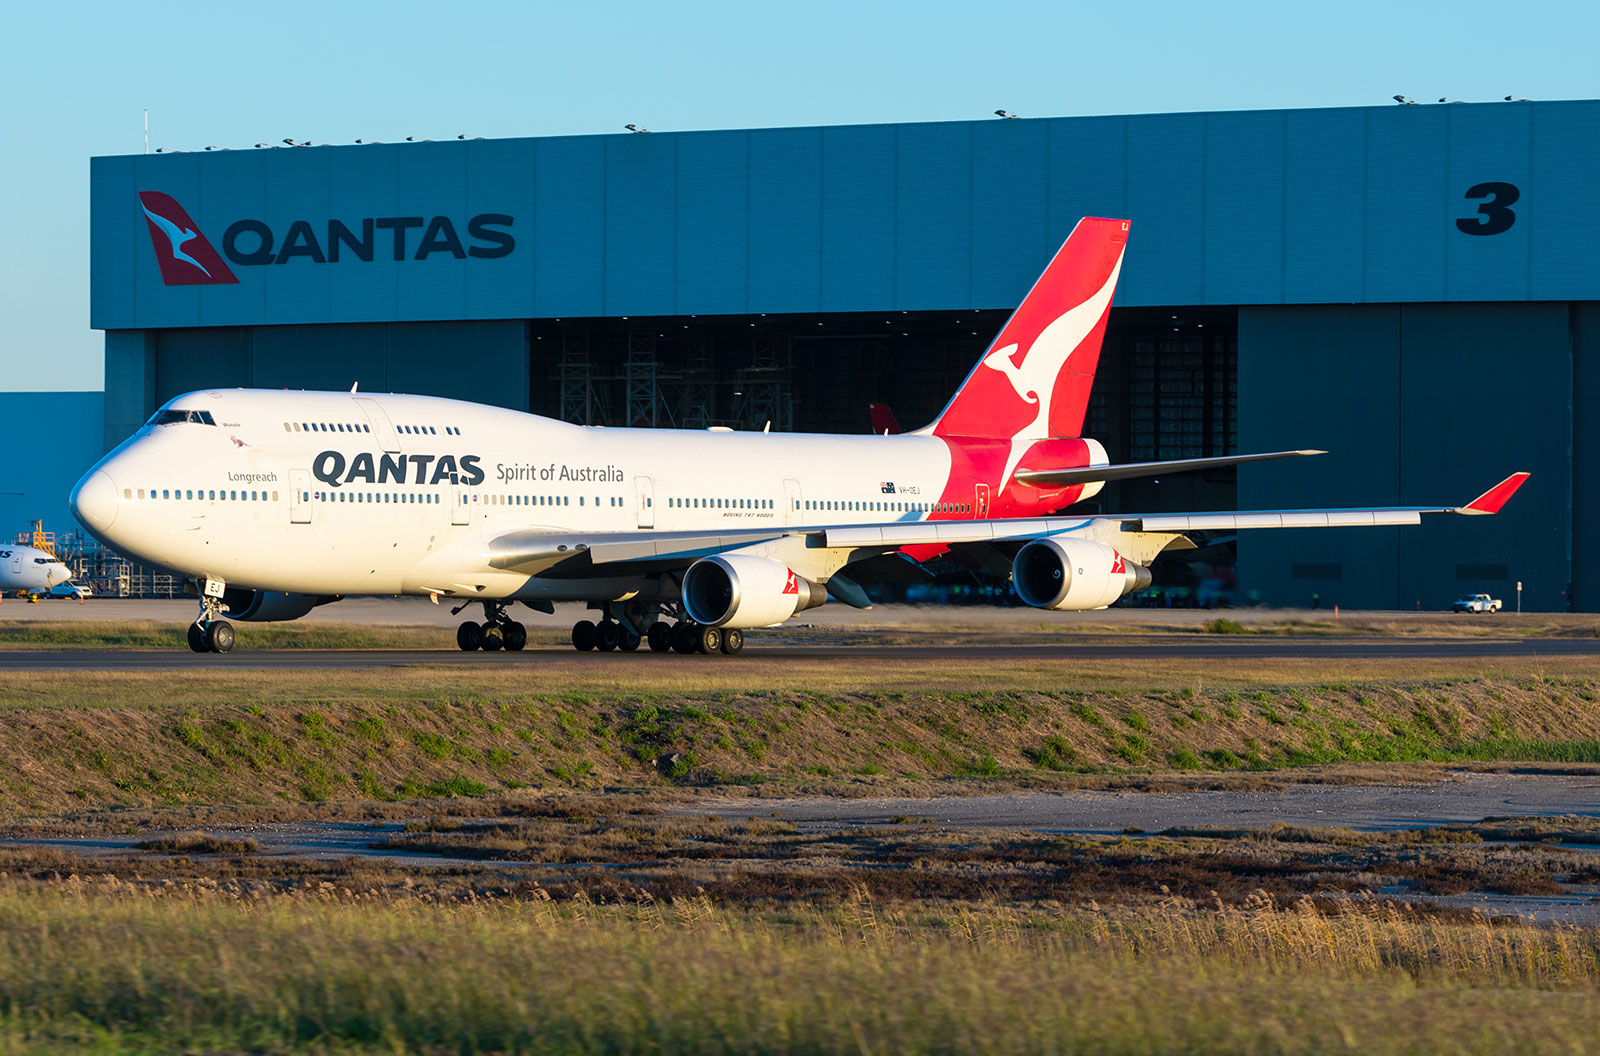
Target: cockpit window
[41,560]
[169,415]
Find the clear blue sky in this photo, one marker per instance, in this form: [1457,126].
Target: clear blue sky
[76,77]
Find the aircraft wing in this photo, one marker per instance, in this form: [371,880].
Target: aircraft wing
[947,532]
[1060,478]
[575,553]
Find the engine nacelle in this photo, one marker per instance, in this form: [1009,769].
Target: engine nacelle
[267,606]
[742,590]
[1069,574]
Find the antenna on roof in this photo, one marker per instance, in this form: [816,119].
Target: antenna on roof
[355,386]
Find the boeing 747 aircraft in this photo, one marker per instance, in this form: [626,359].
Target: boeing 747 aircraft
[275,502]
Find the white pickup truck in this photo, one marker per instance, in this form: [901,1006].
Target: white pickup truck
[1476,603]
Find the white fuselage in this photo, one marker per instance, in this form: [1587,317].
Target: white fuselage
[30,569]
[336,493]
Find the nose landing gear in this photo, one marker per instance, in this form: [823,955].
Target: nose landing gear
[210,633]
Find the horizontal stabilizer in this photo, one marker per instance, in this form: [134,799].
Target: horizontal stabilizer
[1060,478]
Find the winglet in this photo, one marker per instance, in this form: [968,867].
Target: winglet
[1496,497]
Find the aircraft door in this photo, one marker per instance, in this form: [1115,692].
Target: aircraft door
[299,496]
[981,505]
[16,562]
[382,428]
[645,501]
[792,502]
[460,509]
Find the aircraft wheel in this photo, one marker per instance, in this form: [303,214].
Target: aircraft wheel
[469,636]
[219,636]
[583,636]
[627,641]
[607,635]
[660,636]
[493,638]
[516,636]
[733,641]
[197,639]
[683,637]
[708,640]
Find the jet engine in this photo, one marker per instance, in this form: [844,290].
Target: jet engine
[266,606]
[742,590]
[1068,574]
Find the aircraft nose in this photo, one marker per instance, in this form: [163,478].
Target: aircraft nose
[94,501]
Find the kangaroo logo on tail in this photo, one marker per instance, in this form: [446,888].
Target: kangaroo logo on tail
[1047,352]
[1035,379]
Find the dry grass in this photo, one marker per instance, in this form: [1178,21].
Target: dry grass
[110,967]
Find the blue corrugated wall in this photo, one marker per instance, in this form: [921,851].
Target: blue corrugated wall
[1264,207]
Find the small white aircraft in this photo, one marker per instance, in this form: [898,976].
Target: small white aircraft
[275,502]
[25,570]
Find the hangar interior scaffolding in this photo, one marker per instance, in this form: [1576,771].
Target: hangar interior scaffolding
[1166,387]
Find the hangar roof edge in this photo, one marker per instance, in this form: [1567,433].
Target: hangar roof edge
[948,122]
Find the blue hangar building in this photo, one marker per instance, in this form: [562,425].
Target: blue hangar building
[1414,288]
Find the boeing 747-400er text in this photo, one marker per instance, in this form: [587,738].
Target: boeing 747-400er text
[273,503]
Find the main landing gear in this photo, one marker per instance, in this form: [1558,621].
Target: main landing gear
[497,631]
[210,633]
[683,636]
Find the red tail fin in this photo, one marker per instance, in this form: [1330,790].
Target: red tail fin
[1033,381]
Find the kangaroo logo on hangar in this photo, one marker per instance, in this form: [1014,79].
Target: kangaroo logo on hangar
[184,254]
[187,258]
